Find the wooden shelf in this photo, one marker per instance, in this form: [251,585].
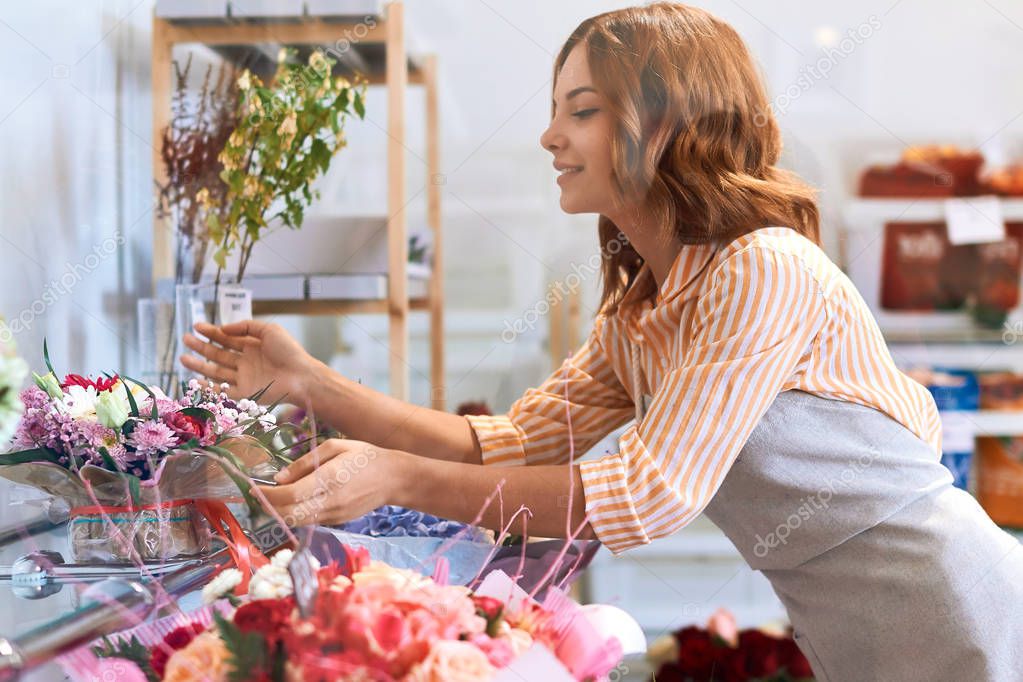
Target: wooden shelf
[378,50]
[868,214]
[338,306]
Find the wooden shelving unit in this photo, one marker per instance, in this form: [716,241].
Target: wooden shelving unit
[379,47]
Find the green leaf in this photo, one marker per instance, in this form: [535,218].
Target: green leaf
[108,460]
[155,414]
[359,105]
[259,394]
[129,649]
[131,402]
[134,489]
[247,651]
[29,456]
[46,358]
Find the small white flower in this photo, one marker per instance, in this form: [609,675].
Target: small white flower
[270,582]
[245,81]
[222,584]
[249,407]
[282,558]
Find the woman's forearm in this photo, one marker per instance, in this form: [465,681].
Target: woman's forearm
[367,415]
[552,494]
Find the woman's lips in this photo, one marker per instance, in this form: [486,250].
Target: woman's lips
[568,173]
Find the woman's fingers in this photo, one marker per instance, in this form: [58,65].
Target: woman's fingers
[217,334]
[215,373]
[246,328]
[299,503]
[221,356]
[306,464]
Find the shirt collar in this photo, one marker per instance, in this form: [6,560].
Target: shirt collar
[690,262]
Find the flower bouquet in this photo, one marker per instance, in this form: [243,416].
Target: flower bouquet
[723,653]
[141,472]
[362,620]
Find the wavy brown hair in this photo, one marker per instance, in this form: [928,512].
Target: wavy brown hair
[695,141]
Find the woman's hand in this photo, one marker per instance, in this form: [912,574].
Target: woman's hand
[337,481]
[248,356]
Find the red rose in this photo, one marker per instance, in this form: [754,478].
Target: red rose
[188,427]
[794,660]
[758,656]
[269,617]
[697,654]
[670,672]
[491,610]
[176,639]
[488,607]
[472,407]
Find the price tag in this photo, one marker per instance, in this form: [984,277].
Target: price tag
[198,315]
[974,220]
[235,304]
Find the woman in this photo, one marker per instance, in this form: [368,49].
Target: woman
[763,392]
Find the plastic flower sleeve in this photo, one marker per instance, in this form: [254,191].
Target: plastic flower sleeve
[157,521]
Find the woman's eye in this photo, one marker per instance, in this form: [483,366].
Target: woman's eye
[585,113]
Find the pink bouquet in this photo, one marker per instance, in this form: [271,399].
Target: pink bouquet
[366,621]
[126,456]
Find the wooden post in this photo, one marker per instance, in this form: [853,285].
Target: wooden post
[160,77]
[397,233]
[435,181]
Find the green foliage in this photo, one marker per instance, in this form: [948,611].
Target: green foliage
[129,649]
[287,135]
[247,651]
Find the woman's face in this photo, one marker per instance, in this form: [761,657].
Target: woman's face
[579,137]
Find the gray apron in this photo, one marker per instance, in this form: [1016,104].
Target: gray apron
[886,570]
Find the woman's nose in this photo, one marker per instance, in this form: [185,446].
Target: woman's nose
[551,139]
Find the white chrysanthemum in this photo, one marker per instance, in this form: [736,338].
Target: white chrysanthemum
[221,585]
[282,558]
[271,582]
[79,402]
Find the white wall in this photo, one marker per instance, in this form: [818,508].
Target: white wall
[74,129]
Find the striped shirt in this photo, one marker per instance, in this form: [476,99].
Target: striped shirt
[731,327]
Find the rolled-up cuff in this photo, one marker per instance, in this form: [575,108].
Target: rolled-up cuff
[499,440]
[609,504]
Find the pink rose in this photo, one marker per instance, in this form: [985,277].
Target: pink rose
[188,427]
[722,626]
[453,661]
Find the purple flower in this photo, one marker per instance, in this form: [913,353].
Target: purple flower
[33,396]
[152,437]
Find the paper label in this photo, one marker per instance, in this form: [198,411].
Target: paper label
[974,220]
[198,315]
[235,304]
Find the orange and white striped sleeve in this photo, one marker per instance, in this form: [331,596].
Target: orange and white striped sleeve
[536,431]
[757,318]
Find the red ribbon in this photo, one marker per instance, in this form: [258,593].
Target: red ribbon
[247,557]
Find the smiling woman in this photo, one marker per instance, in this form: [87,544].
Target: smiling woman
[762,390]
